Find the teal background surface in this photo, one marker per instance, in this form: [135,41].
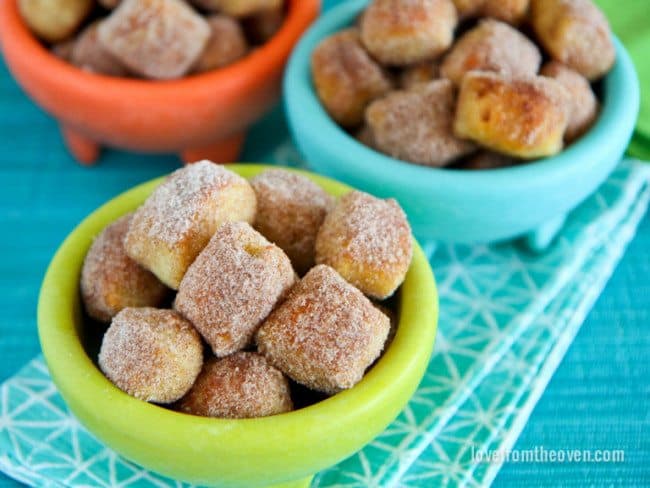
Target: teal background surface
[598,399]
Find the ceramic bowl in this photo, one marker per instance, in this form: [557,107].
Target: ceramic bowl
[284,450]
[455,205]
[200,117]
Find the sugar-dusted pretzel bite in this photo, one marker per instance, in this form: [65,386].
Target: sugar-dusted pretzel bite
[367,241]
[325,334]
[575,33]
[583,104]
[232,286]
[403,32]
[226,45]
[522,117]
[290,210]
[154,355]
[242,385]
[417,125]
[158,39]
[112,281]
[176,222]
[239,8]
[491,46]
[346,78]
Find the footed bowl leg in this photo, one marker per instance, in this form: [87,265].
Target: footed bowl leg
[539,239]
[85,150]
[224,151]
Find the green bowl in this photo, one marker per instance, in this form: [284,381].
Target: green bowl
[284,450]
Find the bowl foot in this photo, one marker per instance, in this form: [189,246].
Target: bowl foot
[83,149]
[542,237]
[224,151]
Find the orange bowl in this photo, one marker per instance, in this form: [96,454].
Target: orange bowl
[201,116]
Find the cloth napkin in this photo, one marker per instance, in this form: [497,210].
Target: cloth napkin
[506,318]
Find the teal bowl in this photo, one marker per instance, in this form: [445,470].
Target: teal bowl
[454,205]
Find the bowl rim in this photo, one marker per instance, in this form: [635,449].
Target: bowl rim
[250,67]
[617,117]
[79,379]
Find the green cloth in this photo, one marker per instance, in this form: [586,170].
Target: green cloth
[630,20]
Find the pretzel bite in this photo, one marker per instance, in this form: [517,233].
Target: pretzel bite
[176,222]
[368,241]
[488,160]
[290,210]
[583,104]
[264,25]
[242,385]
[232,286]
[54,20]
[468,8]
[418,74]
[366,137]
[111,281]
[158,39]
[325,334]
[227,44]
[575,33]
[63,50]
[151,354]
[346,78]
[491,46]
[403,32]
[89,54]
[239,8]
[417,125]
[523,117]
[510,11]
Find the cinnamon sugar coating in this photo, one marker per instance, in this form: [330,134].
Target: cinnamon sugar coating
[325,334]
[418,74]
[176,222]
[468,8]
[242,385]
[366,137]
[54,20]
[488,160]
[89,54]
[226,45]
[416,125]
[368,242]
[111,281]
[158,39]
[575,33]
[290,210]
[583,104]
[346,78]
[63,50]
[492,46]
[522,117]
[510,11]
[232,286]
[261,27]
[151,354]
[239,8]
[403,32]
